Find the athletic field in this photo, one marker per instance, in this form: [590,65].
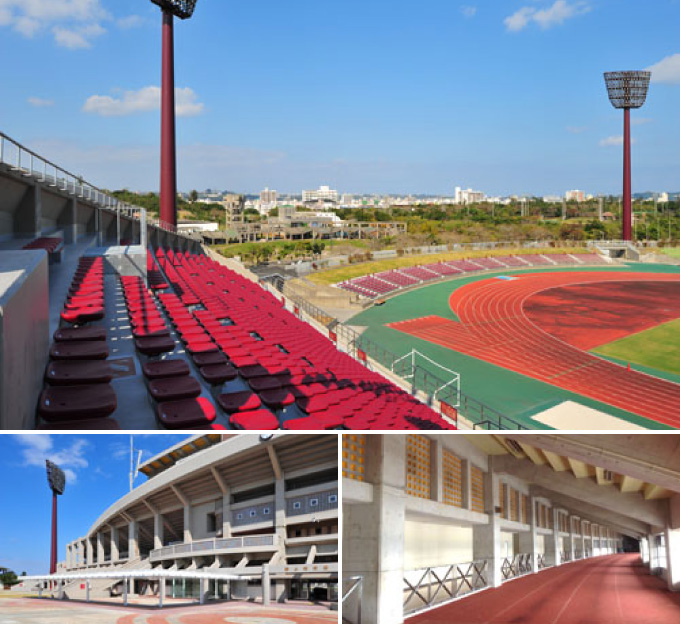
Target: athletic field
[569,348]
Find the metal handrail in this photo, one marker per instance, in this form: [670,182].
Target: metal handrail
[517,565]
[437,585]
[31,164]
[356,586]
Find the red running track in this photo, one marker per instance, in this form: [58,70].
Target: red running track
[616,589]
[495,328]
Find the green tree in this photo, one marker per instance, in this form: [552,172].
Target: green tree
[8,578]
[193,196]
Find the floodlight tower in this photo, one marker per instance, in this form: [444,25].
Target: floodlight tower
[183,9]
[57,482]
[627,89]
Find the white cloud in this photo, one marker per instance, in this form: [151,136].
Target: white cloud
[39,447]
[131,21]
[554,15]
[77,38]
[614,141]
[468,11]
[73,23]
[144,100]
[40,102]
[666,70]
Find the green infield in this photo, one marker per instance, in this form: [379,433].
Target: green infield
[656,348]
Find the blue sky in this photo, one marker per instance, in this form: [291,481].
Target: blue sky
[365,95]
[97,473]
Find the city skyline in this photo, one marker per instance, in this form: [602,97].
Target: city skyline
[386,98]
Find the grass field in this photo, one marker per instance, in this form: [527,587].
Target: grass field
[333,276]
[673,252]
[658,348]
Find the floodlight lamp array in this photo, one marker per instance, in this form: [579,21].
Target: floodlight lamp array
[55,477]
[627,89]
[183,9]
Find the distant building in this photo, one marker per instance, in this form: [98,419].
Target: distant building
[268,196]
[234,206]
[323,194]
[577,196]
[467,196]
[197,226]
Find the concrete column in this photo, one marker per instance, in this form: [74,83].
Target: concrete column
[266,586]
[673,545]
[436,471]
[115,545]
[376,550]
[161,592]
[528,540]
[158,531]
[280,514]
[81,553]
[486,539]
[133,540]
[187,524]
[572,537]
[201,589]
[90,553]
[28,216]
[466,484]
[100,549]
[87,591]
[652,550]
[125,592]
[506,502]
[68,556]
[583,541]
[553,555]
[226,515]
[644,551]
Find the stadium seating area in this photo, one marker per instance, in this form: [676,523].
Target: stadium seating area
[387,282]
[215,351]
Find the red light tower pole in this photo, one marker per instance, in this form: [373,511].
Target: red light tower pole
[168,191]
[57,483]
[626,90]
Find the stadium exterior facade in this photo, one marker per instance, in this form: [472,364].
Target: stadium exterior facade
[247,507]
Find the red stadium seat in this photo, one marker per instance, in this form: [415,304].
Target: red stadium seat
[239,401]
[77,402]
[255,420]
[174,388]
[70,334]
[218,373]
[79,350]
[153,345]
[77,372]
[185,413]
[158,369]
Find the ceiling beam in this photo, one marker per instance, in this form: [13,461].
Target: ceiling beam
[534,454]
[579,468]
[276,465]
[557,462]
[653,458]
[629,484]
[630,505]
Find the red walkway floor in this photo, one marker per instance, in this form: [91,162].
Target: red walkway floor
[605,590]
[494,327]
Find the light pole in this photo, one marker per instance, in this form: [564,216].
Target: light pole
[183,9]
[57,483]
[626,90]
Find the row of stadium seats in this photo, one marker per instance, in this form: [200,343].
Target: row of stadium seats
[267,368]
[386,282]
[78,377]
[49,244]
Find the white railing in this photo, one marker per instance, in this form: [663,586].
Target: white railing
[215,546]
[352,595]
[26,162]
[427,587]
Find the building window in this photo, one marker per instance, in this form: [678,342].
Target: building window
[266,511]
[333,498]
[314,502]
[212,523]
[297,505]
[253,513]
[239,516]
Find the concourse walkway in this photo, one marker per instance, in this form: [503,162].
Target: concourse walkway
[615,589]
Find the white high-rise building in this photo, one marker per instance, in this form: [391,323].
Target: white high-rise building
[268,196]
[576,195]
[467,196]
[324,194]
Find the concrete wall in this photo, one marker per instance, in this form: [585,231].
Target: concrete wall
[24,335]
[199,520]
[427,544]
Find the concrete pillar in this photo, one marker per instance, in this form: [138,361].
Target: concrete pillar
[553,555]
[60,591]
[226,514]
[87,591]
[68,556]
[436,471]
[486,539]
[266,586]
[81,553]
[157,531]
[100,549]
[125,592]
[90,554]
[572,540]
[528,540]
[466,484]
[133,540]
[161,593]
[187,524]
[201,589]
[280,514]
[28,216]
[673,545]
[376,550]
[644,551]
[115,544]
